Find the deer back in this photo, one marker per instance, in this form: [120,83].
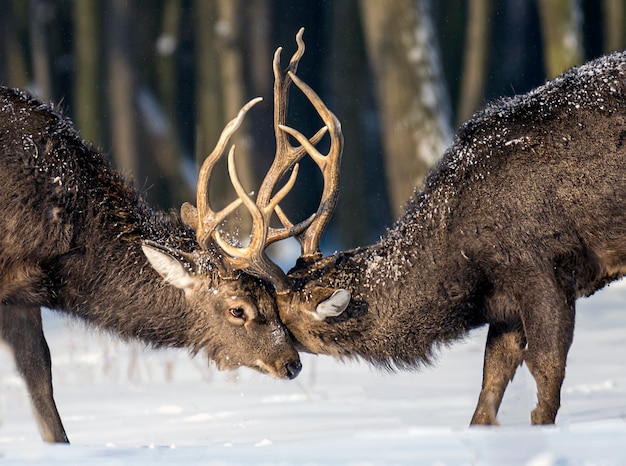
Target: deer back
[533,185]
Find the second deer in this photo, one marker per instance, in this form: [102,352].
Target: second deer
[523,215]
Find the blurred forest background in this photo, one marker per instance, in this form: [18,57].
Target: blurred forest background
[152,82]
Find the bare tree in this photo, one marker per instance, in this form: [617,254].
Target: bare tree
[164,132]
[166,47]
[348,79]
[233,85]
[474,58]
[614,12]
[220,87]
[12,53]
[258,44]
[38,20]
[561,26]
[121,87]
[87,104]
[412,97]
[209,107]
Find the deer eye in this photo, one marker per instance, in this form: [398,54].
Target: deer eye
[238,313]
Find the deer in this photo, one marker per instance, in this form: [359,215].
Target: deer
[77,238]
[522,215]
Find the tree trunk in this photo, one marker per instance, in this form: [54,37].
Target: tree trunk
[209,106]
[166,139]
[412,99]
[12,57]
[347,76]
[209,102]
[562,34]
[220,95]
[258,44]
[41,65]
[614,16]
[167,46]
[87,105]
[233,83]
[121,89]
[474,58]
[257,65]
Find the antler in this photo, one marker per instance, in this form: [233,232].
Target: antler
[286,155]
[205,221]
[329,164]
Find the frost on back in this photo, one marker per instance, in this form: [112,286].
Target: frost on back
[504,129]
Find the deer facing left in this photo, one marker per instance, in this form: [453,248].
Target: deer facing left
[75,237]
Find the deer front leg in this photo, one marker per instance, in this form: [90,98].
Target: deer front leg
[21,329]
[504,352]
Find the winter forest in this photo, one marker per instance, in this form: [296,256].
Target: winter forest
[152,83]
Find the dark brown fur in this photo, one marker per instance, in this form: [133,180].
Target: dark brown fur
[523,215]
[72,236]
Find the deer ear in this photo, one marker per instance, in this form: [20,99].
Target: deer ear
[171,264]
[333,306]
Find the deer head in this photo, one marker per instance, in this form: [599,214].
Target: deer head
[247,304]
[295,305]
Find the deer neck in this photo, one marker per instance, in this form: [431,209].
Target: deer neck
[405,301]
[109,283]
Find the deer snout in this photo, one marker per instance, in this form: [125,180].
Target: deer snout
[293,368]
[281,368]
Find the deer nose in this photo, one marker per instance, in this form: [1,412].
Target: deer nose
[293,369]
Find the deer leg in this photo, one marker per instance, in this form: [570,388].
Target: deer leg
[21,329]
[504,352]
[549,326]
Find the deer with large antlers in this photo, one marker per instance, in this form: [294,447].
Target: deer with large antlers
[309,231]
[75,237]
[523,215]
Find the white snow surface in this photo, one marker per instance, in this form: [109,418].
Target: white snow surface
[122,404]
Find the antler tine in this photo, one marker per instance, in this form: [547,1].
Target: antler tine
[203,219]
[252,258]
[286,154]
[286,157]
[328,164]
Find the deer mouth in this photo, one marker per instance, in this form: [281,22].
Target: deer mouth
[286,370]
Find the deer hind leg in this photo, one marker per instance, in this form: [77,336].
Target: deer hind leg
[549,325]
[504,352]
[21,329]
[546,362]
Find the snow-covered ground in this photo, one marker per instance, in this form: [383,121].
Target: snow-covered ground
[122,404]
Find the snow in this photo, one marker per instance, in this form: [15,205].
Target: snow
[122,404]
